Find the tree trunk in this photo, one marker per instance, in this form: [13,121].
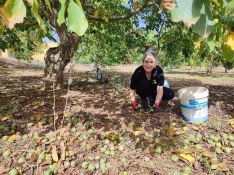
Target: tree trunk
[209,70]
[226,70]
[57,58]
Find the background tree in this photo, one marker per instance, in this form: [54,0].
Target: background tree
[106,44]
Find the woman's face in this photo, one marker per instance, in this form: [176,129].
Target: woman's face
[149,63]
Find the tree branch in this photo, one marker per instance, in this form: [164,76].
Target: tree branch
[159,34]
[131,14]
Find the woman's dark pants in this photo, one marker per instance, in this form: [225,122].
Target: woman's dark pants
[146,90]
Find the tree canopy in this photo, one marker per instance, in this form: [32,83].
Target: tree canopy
[110,29]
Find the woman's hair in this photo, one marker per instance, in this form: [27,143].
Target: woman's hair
[149,52]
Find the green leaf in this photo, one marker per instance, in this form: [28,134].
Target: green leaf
[35,8]
[230,6]
[187,11]
[204,26]
[13,12]
[194,12]
[228,53]
[77,21]
[61,18]
[78,2]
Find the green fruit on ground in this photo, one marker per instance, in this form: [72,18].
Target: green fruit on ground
[73,129]
[42,156]
[102,165]
[198,147]
[6,153]
[13,172]
[211,142]
[48,172]
[73,163]
[175,173]
[91,167]
[186,141]
[48,157]
[121,147]
[67,164]
[5,138]
[90,131]
[187,170]
[108,165]
[174,158]
[21,160]
[230,137]
[218,150]
[227,150]
[158,149]
[84,165]
[218,145]
[216,139]
[112,153]
[91,157]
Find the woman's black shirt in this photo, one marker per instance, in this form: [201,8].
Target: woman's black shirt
[157,77]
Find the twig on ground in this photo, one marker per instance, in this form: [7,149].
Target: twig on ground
[54,104]
[70,80]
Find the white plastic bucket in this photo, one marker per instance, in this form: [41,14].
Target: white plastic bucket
[194,103]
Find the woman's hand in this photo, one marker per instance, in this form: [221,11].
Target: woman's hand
[134,104]
[157,103]
[132,97]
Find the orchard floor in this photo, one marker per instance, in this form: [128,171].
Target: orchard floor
[101,134]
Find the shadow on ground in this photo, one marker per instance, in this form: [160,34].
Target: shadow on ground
[24,100]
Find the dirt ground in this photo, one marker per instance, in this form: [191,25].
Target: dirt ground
[101,134]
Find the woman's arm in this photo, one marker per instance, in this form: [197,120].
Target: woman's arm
[159,95]
[132,94]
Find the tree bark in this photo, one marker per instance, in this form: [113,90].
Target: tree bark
[209,70]
[57,58]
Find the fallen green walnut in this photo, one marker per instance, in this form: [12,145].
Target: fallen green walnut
[21,160]
[84,165]
[230,137]
[158,149]
[6,154]
[67,164]
[91,167]
[174,158]
[218,145]
[13,172]
[227,149]
[218,150]
[73,163]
